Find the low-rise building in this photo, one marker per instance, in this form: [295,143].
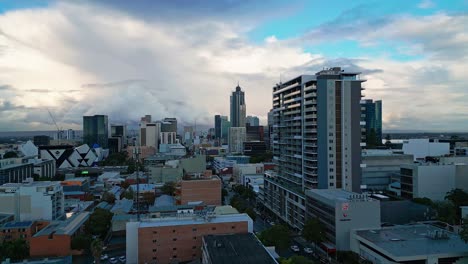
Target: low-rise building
[14,170]
[199,190]
[432,180]
[409,244]
[32,201]
[44,168]
[340,212]
[55,239]
[235,248]
[424,147]
[168,239]
[240,170]
[17,230]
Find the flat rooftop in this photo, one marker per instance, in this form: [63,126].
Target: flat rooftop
[412,242]
[191,220]
[67,227]
[10,225]
[237,248]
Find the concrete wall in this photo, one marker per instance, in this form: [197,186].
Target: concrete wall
[164,174]
[379,169]
[422,148]
[433,181]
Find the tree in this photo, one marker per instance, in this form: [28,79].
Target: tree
[16,250]
[458,197]
[250,211]
[80,242]
[277,235]
[125,184]
[314,231]
[108,197]
[168,188]
[464,231]
[96,250]
[423,201]
[129,194]
[10,154]
[296,260]
[446,212]
[99,223]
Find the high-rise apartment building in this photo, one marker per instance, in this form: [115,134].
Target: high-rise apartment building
[252,121]
[316,140]
[238,108]
[95,130]
[237,137]
[371,116]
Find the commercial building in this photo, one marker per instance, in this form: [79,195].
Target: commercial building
[235,248]
[55,239]
[252,121]
[17,230]
[422,148]
[254,148]
[340,212]
[169,124]
[379,166]
[225,127]
[254,133]
[119,131]
[14,171]
[409,244]
[95,130]
[432,180]
[316,140]
[237,137]
[45,168]
[240,170]
[199,190]
[150,133]
[371,115]
[238,108]
[32,200]
[41,140]
[76,184]
[217,126]
[168,239]
[69,156]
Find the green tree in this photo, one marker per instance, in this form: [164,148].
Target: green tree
[96,250]
[464,231]
[125,184]
[446,212]
[10,154]
[458,197]
[16,250]
[277,235]
[314,231]
[99,223]
[80,242]
[296,260]
[148,198]
[250,211]
[168,188]
[423,201]
[108,197]
[129,194]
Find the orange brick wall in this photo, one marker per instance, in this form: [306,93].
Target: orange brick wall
[157,244]
[16,233]
[42,246]
[208,191]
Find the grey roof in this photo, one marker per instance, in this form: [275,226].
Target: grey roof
[124,205]
[10,225]
[237,248]
[413,242]
[67,227]
[164,200]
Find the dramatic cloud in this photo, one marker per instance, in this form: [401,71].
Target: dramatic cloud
[129,60]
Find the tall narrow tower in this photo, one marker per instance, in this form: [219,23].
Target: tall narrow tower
[238,108]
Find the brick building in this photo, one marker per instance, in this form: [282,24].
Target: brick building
[20,230]
[206,190]
[165,240]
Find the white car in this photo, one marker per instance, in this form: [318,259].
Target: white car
[272,223]
[113,260]
[295,248]
[122,259]
[104,257]
[308,250]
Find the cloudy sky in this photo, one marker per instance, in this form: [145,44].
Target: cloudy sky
[182,58]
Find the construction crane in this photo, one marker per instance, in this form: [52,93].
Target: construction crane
[59,131]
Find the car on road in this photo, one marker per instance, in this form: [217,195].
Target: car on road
[104,257]
[295,248]
[272,223]
[308,250]
[122,259]
[113,260]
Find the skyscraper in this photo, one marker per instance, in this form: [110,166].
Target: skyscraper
[225,126]
[371,114]
[95,130]
[316,140]
[119,131]
[252,121]
[217,126]
[238,108]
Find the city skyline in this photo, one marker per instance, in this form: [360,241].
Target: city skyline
[184,60]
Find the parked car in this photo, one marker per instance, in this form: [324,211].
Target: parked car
[308,250]
[122,259]
[295,248]
[113,260]
[104,257]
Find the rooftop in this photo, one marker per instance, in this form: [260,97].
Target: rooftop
[67,227]
[225,210]
[123,205]
[24,224]
[330,196]
[80,179]
[237,248]
[412,242]
[191,220]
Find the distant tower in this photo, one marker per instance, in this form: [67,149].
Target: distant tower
[238,108]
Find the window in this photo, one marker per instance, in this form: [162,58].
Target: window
[194,238]
[331,183]
[173,230]
[154,241]
[233,227]
[154,250]
[154,258]
[331,162]
[331,169]
[330,141]
[331,155]
[194,229]
[175,256]
[194,255]
[174,239]
[213,228]
[194,247]
[174,248]
[155,232]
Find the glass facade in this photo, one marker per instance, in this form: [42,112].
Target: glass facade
[95,130]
